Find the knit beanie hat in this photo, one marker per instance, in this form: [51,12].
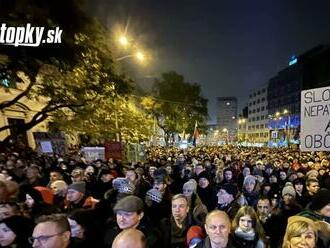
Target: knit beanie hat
[203,174]
[154,195]
[249,179]
[231,189]
[191,184]
[123,185]
[321,199]
[160,175]
[313,173]
[299,181]
[78,186]
[288,189]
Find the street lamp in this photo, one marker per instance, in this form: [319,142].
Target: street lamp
[123,41]
[138,55]
[288,124]
[243,127]
[225,130]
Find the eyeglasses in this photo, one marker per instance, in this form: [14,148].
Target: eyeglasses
[43,238]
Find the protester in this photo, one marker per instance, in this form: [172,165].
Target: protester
[247,230]
[300,232]
[227,199]
[131,238]
[218,228]
[51,231]
[280,183]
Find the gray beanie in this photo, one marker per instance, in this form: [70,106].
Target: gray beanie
[288,189]
[191,184]
[249,179]
[78,186]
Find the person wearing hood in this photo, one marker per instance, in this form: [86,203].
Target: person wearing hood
[249,195]
[206,191]
[227,199]
[196,208]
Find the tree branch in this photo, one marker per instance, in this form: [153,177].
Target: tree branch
[7,104]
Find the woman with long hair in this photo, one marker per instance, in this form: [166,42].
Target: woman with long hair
[247,230]
[300,232]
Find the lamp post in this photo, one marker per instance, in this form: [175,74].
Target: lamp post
[288,124]
[225,130]
[242,126]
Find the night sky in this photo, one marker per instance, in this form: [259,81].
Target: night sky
[228,47]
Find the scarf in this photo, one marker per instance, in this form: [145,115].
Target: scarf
[250,235]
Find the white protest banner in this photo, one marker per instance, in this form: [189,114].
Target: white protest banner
[315,120]
[93,153]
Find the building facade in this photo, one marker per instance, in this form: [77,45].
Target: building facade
[227,117]
[257,128]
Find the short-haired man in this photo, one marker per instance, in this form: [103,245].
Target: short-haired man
[51,231]
[217,227]
[130,238]
[176,228]
[312,187]
[264,209]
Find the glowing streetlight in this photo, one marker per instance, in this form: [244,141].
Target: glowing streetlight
[140,56]
[123,41]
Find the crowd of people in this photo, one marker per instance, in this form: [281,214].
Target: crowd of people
[204,197]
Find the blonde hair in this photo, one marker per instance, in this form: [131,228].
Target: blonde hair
[256,225]
[297,225]
[180,196]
